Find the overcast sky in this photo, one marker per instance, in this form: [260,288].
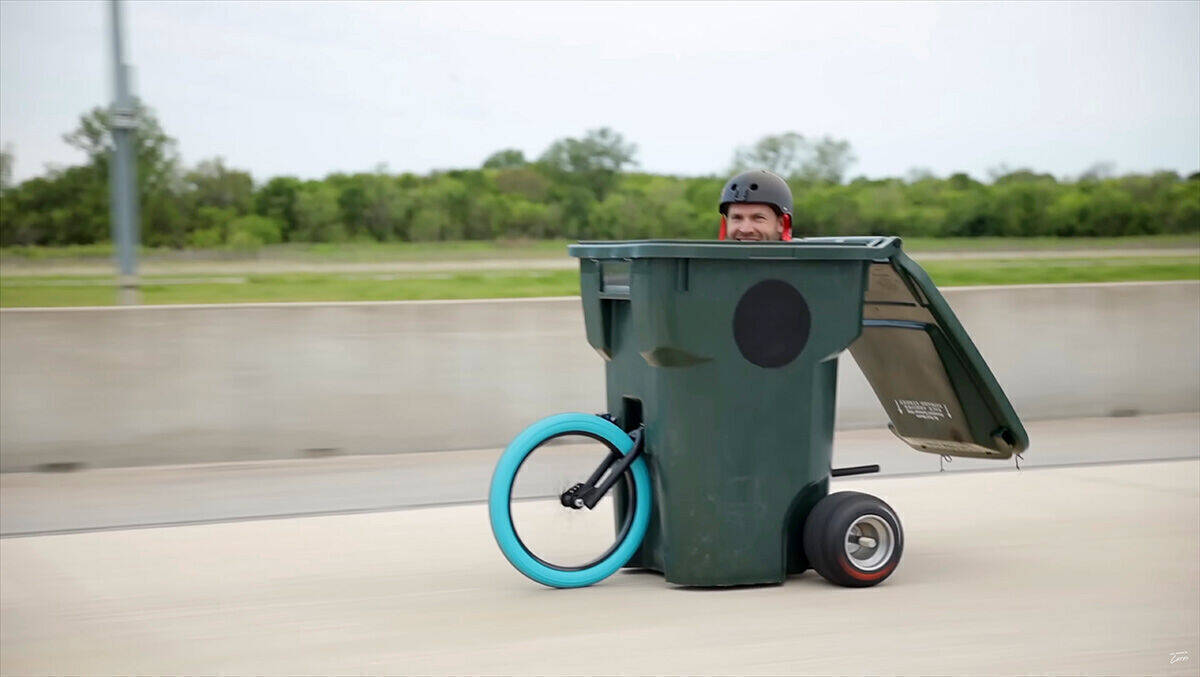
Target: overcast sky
[307,89]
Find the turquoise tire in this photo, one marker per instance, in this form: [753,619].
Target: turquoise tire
[500,495]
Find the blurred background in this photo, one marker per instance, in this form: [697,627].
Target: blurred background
[346,288]
[303,138]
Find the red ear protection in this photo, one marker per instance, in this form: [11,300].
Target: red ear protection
[721,235]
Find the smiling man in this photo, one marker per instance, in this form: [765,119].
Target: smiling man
[756,206]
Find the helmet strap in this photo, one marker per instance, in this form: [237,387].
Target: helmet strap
[721,235]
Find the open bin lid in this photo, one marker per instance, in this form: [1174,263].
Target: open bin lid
[937,390]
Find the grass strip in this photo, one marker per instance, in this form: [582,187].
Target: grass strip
[368,252]
[61,291]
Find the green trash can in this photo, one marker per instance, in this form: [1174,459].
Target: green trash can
[721,371]
[727,353]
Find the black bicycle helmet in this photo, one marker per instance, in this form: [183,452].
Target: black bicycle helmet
[757,186]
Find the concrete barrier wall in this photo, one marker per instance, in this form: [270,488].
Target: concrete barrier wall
[156,385]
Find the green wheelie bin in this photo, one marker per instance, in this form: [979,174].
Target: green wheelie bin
[721,364]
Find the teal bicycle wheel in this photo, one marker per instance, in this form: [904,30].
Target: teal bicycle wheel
[554,544]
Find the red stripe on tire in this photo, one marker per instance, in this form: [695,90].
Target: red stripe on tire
[863,575]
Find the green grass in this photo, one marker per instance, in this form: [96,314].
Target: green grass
[98,290]
[954,244]
[68,252]
[313,252]
[367,252]
[967,273]
[82,291]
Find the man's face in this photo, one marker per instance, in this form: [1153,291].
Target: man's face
[750,221]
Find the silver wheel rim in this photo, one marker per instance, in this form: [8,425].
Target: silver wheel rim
[869,542]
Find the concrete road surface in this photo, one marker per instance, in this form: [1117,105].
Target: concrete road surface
[1073,570]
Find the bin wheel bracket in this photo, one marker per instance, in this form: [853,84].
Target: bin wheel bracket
[587,494]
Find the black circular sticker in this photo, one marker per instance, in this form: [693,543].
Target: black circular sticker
[771,323]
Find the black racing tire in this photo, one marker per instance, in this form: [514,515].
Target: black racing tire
[831,539]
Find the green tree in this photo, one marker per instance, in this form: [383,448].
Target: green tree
[212,184]
[277,200]
[6,168]
[209,226]
[594,161]
[830,160]
[575,205]
[158,179]
[505,159]
[387,208]
[68,206]
[783,154]
[156,153]
[452,200]
[317,214]
[524,219]
[253,231]
[429,225]
[524,181]
[579,188]
[1183,208]
[795,157]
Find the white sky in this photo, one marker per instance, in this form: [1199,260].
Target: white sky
[307,89]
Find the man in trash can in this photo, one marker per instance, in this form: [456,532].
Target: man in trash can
[756,206]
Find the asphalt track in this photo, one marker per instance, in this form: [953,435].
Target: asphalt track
[1076,569]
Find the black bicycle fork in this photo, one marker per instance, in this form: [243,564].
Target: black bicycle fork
[588,494]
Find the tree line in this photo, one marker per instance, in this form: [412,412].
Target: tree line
[584,187]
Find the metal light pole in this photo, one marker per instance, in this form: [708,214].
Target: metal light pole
[123,175]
